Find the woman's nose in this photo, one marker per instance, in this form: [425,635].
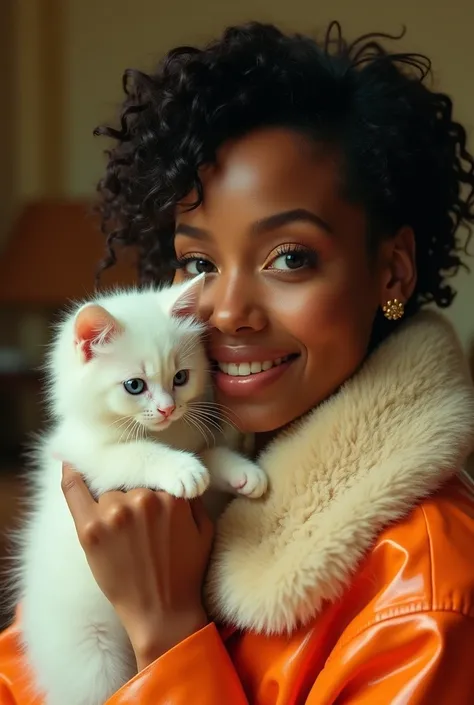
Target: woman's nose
[232,306]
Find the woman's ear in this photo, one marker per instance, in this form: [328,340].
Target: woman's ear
[93,328]
[397,258]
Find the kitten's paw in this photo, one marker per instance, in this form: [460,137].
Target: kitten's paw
[187,477]
[251,481]
[230,470]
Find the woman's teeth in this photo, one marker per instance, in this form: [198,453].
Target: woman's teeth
[243,369]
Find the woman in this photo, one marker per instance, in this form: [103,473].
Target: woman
[322,187]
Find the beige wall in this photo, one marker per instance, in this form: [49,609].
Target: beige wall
[29,92]
[40,77]
[99,38]
[7,122]
[104,37]
[27,114]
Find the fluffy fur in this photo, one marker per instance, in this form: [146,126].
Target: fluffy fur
[74,642]
[390,436]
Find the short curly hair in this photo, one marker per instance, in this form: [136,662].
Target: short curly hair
[405,159]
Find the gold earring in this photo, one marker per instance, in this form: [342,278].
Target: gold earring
[393,309]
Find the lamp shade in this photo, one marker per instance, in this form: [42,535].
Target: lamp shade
[52,255]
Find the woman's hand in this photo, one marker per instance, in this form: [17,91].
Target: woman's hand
[148,552]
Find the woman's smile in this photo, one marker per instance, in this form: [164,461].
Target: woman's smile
[245,370]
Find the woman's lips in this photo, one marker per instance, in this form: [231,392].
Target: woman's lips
[243,369]
[246,353]
[245,375]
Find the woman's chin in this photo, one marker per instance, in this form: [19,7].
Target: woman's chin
[250,417]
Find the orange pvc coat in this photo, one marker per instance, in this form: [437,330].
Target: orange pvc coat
[402,633]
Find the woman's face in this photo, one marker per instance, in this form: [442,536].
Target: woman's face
[291,293]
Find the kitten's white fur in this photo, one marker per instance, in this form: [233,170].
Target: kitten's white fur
[75,644]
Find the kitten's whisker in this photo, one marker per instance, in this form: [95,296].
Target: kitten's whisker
[210,402]
[222,408]
[200,424]
[138,431]
[211,409]
[210,414]
[126,431]
[191,423]
[130,428]
[217,415]
[205,431]
[120,418]
[133,432]
[209,421]
[125,425]
[119,421]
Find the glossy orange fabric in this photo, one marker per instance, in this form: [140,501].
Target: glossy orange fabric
[402,633]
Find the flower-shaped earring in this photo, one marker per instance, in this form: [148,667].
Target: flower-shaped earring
[393,309]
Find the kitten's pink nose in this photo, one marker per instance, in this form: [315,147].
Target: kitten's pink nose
[166,411]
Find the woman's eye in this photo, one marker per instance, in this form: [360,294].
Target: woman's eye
[135,386]
[181,378]
[199,265]
[296,259]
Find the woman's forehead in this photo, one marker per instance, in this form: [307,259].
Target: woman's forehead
[269,165]
[268,172]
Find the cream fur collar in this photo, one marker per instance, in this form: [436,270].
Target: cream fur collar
[391,435]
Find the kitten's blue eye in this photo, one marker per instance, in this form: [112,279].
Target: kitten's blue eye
[134,386]
[181,378]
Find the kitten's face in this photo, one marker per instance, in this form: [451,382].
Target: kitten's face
[158,389]
[140,359]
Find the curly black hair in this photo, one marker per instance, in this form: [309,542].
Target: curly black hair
[404,158]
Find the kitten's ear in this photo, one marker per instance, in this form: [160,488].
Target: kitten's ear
[93,327]
[188,295]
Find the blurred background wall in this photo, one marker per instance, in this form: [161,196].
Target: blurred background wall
[7,118]
[65,58]
[61,63]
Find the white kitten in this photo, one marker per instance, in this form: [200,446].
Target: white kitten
[127,378]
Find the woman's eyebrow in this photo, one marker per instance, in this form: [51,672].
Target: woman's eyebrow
[271,222]
[278,220]
[192,231]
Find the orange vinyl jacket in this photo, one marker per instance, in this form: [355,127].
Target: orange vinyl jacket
[353,580]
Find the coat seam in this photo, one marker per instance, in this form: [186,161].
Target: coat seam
[430,547]
[382,619]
